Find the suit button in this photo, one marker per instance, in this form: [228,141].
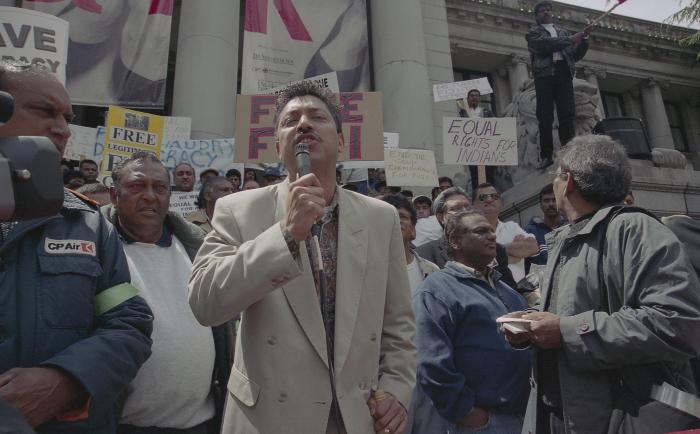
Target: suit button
[373,337]
[282,397]
[272,340]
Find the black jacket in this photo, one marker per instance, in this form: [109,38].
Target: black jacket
[542,46]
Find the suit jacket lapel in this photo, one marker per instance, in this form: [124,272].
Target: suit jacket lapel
[352,261]
[301,292]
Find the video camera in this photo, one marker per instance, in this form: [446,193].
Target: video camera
[31,184]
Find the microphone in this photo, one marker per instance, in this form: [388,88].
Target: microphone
[301,153]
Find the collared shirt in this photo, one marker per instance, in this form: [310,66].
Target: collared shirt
[477,112]
[486,277]
[165,240]
[328,242]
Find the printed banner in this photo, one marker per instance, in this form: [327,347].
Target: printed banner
[362,127]
[410,167]
[128,131]
[30,37]
[183,202]
[81,144]
[214,154]
[460,89]
[285,41]
[118,52]
[326,81]
[480,141]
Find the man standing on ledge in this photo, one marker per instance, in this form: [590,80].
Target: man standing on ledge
[553,53]
[319,350]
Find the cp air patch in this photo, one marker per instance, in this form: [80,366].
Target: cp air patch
[69,247]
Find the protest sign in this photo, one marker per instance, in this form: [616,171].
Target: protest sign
[81,144]
[206,154]
[176,128]
[391,140]
[480,141]
[183,202]
[362,127]
[460,89]
[127,132]
[410,167]
[31,37]
[324,81]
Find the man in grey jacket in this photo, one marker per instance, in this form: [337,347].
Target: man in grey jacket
[621,309]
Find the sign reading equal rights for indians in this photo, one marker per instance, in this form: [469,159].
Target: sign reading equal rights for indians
[363,127]
[480,141]
[129,131]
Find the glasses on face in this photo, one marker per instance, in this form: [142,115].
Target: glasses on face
[489,196]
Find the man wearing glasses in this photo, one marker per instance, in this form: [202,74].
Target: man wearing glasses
[518,243]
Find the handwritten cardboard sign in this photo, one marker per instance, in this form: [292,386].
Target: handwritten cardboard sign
[81,144]
[410,167]
[460,89]
[480,141]
[362,127]
[183,202]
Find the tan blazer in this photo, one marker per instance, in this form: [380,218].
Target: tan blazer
[279,382]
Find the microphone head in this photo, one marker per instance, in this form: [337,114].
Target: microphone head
[301,148]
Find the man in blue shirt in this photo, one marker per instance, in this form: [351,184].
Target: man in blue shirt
[541,226]
[468,375]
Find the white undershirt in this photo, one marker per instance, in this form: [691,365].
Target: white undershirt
[556,56]
[415,276]
[172,389]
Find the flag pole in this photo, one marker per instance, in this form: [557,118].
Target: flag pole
[597,20]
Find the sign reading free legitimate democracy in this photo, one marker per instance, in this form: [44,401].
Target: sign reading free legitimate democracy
[363,127]
[129,131]
[480,141]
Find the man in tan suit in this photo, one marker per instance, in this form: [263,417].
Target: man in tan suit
[312,346]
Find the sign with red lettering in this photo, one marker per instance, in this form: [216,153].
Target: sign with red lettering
[363,127]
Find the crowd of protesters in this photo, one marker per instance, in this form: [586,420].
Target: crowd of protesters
[300,304]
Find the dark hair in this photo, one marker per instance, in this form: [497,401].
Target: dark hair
[539,4]
[136,157]
[407,193]
[306,88]
[473,90]
[475,192]
[379,184]
[233,172]
[86,161]
[599,167]
[547,189]
[72,174]
[455,225]
[184,164]
[422,199]
[93,188]
[399,201]
[445,179]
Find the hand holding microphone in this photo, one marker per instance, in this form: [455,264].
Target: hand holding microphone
[306,201]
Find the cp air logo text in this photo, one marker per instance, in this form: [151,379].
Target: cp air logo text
[69,247]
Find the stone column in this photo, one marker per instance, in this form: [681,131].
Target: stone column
[207,67]
[517,72]
[401,71]
[592,75]
[655,115]
[501,90]
[690,113]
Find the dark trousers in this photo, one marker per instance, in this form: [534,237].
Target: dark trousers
[558,89]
